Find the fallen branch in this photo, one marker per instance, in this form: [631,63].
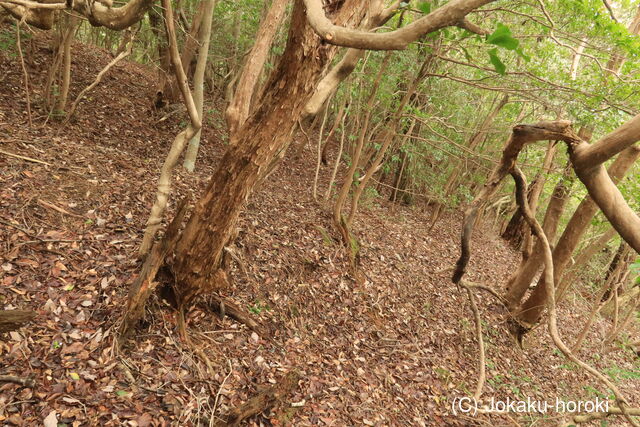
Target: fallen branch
[58,209]
[29,159]
[98,79]
[25,382]
[262,401]
[10,320]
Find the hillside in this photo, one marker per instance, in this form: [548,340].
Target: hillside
[393,350]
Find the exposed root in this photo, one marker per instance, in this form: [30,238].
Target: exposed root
[224,307]
[262,401]
[482,375]
[579,419]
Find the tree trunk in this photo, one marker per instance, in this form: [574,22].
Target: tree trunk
[198,82]
[69,35]
[535,191]
[165,85]
[519,283]
[194,126]
[238,109]
[191,40]
[199,252]
[612,281]
[530,311]
[582,261]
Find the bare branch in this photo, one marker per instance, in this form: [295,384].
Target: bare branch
[447,15]
[589,156]
[464,23]
[608,6]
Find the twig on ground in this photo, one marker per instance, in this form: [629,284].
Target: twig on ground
[58,208]
[25,382]
[29,159]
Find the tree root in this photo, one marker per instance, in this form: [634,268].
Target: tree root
[262,401]
[481,356]
[226,308]
[578,419]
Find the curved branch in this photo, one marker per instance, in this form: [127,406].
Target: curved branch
[119,18]
[609,199]
[521,188]
[39,18]
[590,156]
[347,64]
[521,135]
[449,14]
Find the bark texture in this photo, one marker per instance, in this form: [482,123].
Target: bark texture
[213,223]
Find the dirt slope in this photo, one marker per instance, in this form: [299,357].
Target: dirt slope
[394,350]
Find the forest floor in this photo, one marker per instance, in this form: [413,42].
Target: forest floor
[393,350]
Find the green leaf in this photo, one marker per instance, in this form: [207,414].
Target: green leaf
[425,7]
[122,393]
[74,376]
[497,64]
[519,51]
[502,37]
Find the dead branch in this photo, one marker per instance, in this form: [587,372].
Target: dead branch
[98,79]
[262,401]
[10,320]
[58,209]
[28,159]
[25,382]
